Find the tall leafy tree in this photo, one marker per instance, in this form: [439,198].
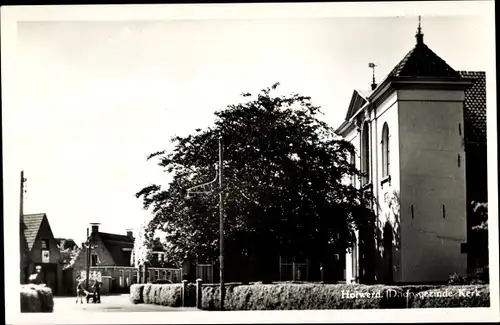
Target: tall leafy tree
[141,253]
[284,185]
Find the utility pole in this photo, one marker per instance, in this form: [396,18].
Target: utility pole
[21,202]
[221,225]
[87,260]
[21,229]
[202,189]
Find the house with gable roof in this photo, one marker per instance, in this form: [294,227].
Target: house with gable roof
[420,140]
[110,262]
[109,259]
[40,249]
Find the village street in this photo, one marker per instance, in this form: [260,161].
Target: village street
[111,303]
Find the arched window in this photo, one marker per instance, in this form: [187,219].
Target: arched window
[385,150]
[365,153]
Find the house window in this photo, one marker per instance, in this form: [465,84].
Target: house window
[157,274]
[45,244]
[121,278]
[365,154]
[93,259]
[385,150]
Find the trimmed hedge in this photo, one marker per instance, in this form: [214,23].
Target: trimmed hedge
[136,293]
[303,296]
[453,296]
[291,296]
[36,299]
[162,294]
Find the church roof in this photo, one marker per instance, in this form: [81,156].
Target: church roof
[421,61]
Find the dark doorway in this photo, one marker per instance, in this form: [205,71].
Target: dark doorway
[49,275]
[388,238]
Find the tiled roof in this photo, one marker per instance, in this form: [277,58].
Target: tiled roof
[475,107]
[32,224]
[115,244]
[421,61]
[114,237]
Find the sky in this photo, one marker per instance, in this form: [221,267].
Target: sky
[99,96]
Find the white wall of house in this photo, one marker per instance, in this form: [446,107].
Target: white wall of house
[386,189]
[433,182]
[352,261]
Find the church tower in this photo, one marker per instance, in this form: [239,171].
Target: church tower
[409,136]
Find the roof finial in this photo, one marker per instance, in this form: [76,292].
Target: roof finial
[372,65]
[419,36]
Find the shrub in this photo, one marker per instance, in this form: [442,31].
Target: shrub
[480,275]
[410,291]
[457,279]
[453,296]
[146,297]
[46,299]
[171,295]
[158,294]
[210,297]
[36,299]
[416,288]
[136,293]
[302,296]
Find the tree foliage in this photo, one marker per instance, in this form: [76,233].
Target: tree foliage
[141,253]
[69,251]
[480,215]
[284,183]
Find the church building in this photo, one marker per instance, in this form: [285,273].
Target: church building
[420,139]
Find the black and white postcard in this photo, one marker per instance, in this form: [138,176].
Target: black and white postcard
[245,163]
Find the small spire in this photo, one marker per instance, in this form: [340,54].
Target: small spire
[419,35]
[372,65]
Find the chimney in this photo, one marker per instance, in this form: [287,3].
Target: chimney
[94,227]
[130,233]
[374,86]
